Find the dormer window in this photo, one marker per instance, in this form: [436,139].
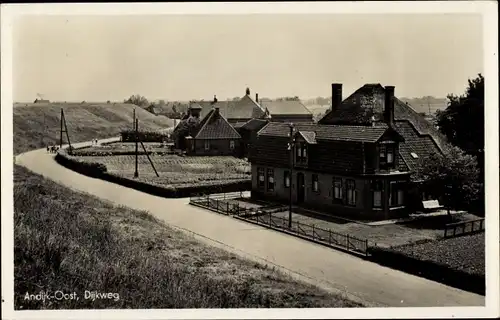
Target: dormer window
[386,155]
[301,153]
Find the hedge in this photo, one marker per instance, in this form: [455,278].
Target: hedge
[119,153]
[98,170]
[144,136]
[428,269]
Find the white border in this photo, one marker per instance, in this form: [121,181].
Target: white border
[489,11]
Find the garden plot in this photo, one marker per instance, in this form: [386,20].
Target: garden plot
[175,170]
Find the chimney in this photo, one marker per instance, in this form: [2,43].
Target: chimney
[216,111]
[389,105]
[336,95]
[215,98]
[256,97]
[248,91]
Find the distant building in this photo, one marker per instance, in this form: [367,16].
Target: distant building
[287,111]
[214,136]
[41,101]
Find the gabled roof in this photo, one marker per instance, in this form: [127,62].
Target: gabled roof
[245,108]
[369,101]
[369,134]
[215,126]
[285,107]
[308,136]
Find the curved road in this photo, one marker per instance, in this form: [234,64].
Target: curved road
[333,270]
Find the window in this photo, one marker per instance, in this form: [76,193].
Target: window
[386,155]
[396,195]
[337,188]
[315,182]
[207,145]
[414,155]
[301,153]
[270,180]
[231,144]
[261,179]
[304,152]
[287,179]
[377,194]
[351,192]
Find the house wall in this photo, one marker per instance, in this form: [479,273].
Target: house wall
[218,147]
[323,200]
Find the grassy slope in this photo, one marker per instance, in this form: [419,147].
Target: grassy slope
[36,126]
[73,242]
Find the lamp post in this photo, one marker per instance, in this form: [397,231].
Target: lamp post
[290,148]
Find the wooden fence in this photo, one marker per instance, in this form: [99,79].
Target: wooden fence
[465,227]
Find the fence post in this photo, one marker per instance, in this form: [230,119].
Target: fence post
[330,236]
[208,201]
[313,231]
[227,207]
[270,219]
[217,205]
[366,246]
[347,238]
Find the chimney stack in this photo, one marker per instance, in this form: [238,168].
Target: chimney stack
[215,98]
[336,95]
[389,105]
[248,91]
[256,97]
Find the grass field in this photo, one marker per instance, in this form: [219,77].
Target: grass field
[175,170]
[37,125]
[74,242]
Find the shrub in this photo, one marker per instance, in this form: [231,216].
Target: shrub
[144,136]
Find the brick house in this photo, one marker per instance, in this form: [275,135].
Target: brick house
[357,161]
[214,136]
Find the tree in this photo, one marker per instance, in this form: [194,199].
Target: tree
[454,176]
[138,100]
[185,128]
[462,122]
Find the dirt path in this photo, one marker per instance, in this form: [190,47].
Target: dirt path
[327,268]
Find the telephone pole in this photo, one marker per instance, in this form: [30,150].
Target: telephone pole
[136,173]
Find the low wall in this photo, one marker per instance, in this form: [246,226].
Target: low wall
[428,269]
[98,170]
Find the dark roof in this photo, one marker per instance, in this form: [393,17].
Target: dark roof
[245,108]
[369,101]
[328,132]
[422,146]
[215,126]
[285,107]
[254,124]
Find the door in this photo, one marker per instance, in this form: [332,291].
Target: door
[301,188]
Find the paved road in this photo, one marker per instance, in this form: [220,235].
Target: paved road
[333,270]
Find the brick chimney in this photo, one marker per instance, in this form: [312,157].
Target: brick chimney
[247,91]
[336,95]
[215,98]
[256,97]
[389,105]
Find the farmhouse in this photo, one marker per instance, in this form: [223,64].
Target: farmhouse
[214,136]
[357,161]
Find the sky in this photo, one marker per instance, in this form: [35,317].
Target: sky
[183,57]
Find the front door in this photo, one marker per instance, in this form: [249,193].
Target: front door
[301,188]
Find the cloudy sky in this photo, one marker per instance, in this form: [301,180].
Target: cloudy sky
[99,58]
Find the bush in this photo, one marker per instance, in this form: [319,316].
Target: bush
[92,169]
[144,136]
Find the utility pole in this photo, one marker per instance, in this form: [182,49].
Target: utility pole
[290,147]
[133,123]
[136,173]
[429,105]
[61,130]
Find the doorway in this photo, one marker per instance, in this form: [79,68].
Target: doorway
[301,188]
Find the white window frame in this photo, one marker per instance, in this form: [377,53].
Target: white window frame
[261,178]
[315,182]
[377,194]
[231,144]
[270,180]
[287,179]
